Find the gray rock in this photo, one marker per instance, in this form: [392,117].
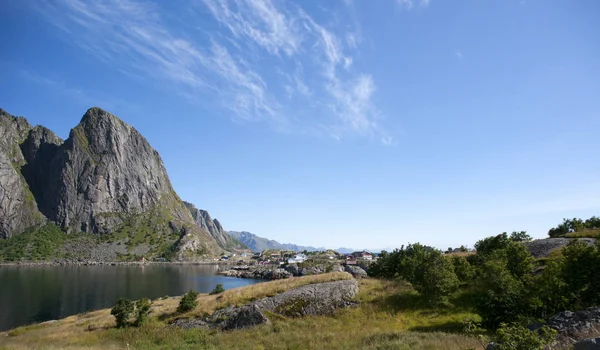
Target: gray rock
[492,346]
[18,207]
[190,323]
[238,318]
[213,227]
[312,299]
[541,248]
[356,271]
[293,269]
[105,178]
[570,324]
[587,344]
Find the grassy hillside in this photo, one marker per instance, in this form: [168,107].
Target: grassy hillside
[390,316]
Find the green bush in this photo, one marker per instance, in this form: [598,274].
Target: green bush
[188,302]
[122,311]
[463,269]
[425,268]
[515,337]
[142,310]
[218,289]
[505,287]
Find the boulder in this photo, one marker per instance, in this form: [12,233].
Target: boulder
[569,323]
[312,299]
[293,269]
[247,316]
[356,271]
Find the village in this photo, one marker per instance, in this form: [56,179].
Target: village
[280,264]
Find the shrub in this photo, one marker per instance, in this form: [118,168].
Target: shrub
[218,289]
[463,269]
[142,310]
[122,312]
[188,302]
[514,337]
[504,287]
[425,268]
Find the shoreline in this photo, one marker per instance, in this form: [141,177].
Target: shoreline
[109,263]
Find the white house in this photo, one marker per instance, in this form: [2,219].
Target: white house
[298,258]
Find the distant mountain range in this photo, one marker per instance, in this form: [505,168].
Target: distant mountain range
[258,244]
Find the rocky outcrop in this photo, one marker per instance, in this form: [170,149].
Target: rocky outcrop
[312,299]
[571,324]
[213,227]
[356,271]
[18,207]
[104,179]
[541,248]
[105,171]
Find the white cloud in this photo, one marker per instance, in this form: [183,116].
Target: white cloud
[458,53]
[234,59]
[408,4]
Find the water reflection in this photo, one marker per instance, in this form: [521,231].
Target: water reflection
[40,293]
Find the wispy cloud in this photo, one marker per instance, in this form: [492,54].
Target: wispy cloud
[408,4]
[229,49]
[458,53]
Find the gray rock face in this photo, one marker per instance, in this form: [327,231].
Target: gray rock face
[569,324]
[312,299]
[39,149]
[104,178]
[18,208]
[213,227]
[356,271]
[540,248]
[587,344]
[239,318]
[104,169]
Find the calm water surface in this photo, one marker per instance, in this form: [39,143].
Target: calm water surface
[41,293]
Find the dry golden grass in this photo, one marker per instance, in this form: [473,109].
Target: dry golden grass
[390,316]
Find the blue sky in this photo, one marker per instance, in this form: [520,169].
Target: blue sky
[365,124]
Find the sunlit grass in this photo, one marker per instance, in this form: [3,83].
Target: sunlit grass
[390,315]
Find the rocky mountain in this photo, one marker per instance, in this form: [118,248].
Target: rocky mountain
[258,244]
[104,179]
[213,226]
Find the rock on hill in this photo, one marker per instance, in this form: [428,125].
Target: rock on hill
[105,179]
[258,244]
[213,226]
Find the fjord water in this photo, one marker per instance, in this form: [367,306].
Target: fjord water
[40,293]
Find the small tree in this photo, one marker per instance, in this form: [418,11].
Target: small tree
[464,271]
[142,310]
[188,302]
[122,311]
[218,289]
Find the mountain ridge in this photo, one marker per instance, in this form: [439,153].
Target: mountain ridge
[105,179]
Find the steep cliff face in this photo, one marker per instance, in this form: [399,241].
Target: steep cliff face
[104,179]
[18,208]
[204,221]
[104,171]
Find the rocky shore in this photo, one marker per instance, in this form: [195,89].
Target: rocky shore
[291,270]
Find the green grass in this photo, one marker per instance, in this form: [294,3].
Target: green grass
[585,233]
[389,315]
[34,244]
